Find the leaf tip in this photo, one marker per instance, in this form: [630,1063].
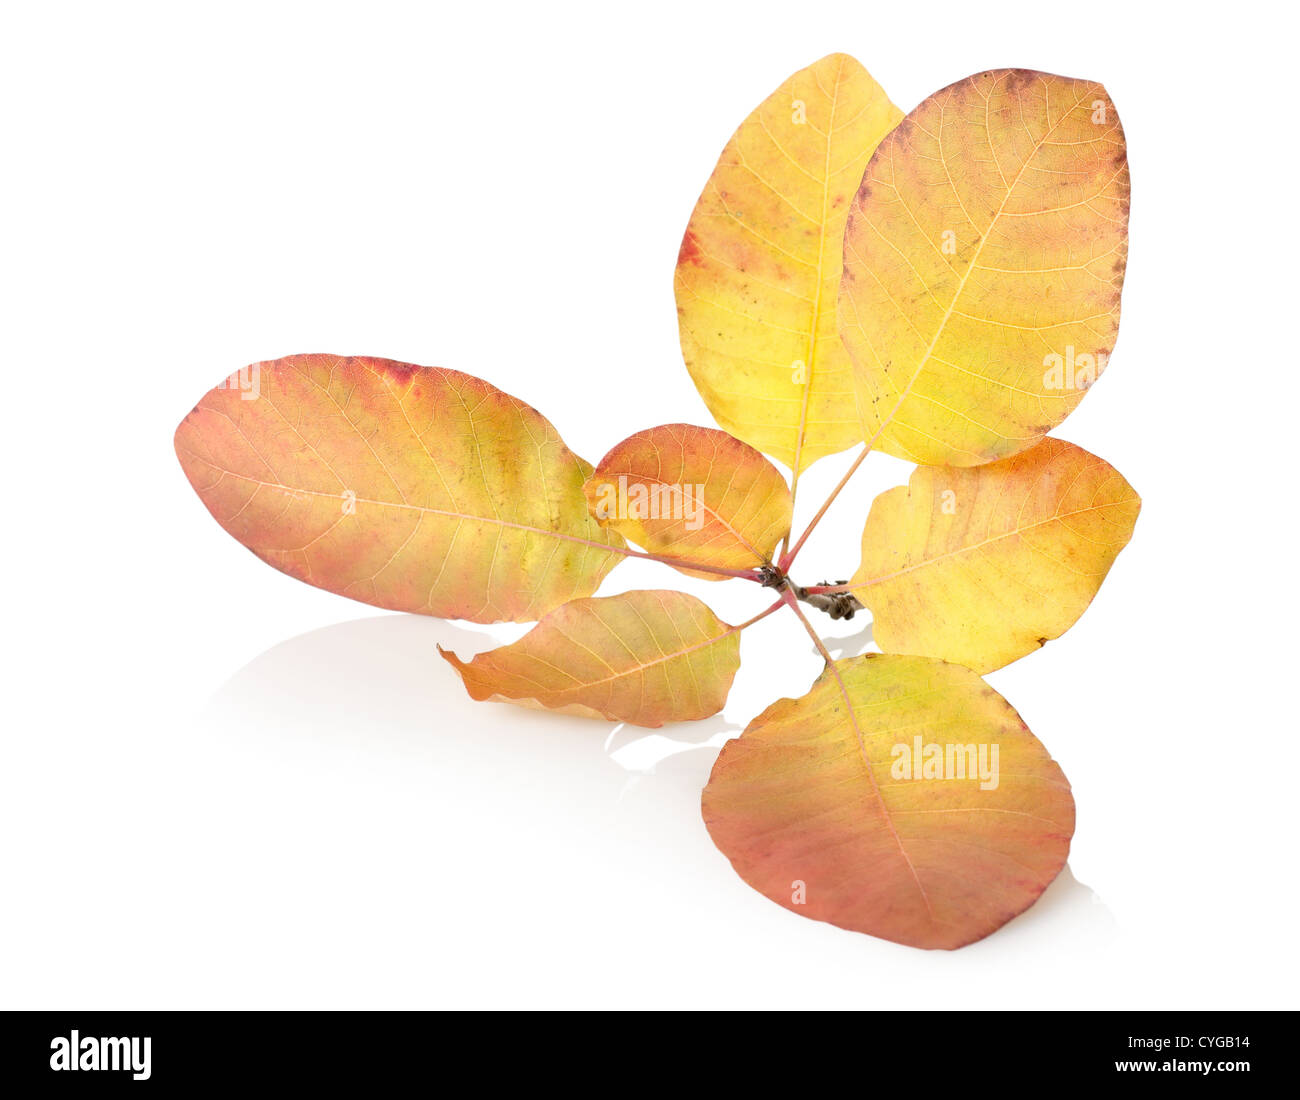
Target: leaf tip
[450,657]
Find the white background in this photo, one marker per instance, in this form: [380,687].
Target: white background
[222,788]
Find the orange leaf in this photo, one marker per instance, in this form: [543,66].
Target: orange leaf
[983,262]
[640,657]
[411,488]
[694,494]
[841,812]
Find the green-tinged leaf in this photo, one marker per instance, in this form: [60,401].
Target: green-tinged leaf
[412,488]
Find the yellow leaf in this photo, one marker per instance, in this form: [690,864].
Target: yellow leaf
[901,797]
[760,264]
[640,657]
[983,263]
[983,565]
[694,494]
[412,488]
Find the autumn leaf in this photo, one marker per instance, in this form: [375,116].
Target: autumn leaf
[983,262]
[411,488]
[983,565]
[760,264]
[944,287]
[922,811]
[640,657]
[694,494]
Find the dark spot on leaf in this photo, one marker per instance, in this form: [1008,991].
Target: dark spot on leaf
[398,372]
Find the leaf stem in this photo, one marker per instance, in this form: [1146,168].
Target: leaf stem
[788,597]
[788,558]
[794,489]
[761,615]
[678,563]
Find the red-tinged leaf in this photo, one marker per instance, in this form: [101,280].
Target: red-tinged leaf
[812,806]
[411,488]
[695,494]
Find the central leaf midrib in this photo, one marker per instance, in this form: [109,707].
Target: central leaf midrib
[405,506]
[623,673]
[865,759]
[985,542]
[802,431]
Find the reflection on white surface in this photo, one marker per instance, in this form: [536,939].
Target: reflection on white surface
[369,713]
[852,644]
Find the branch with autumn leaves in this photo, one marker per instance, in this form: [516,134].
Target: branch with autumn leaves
[942,286]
